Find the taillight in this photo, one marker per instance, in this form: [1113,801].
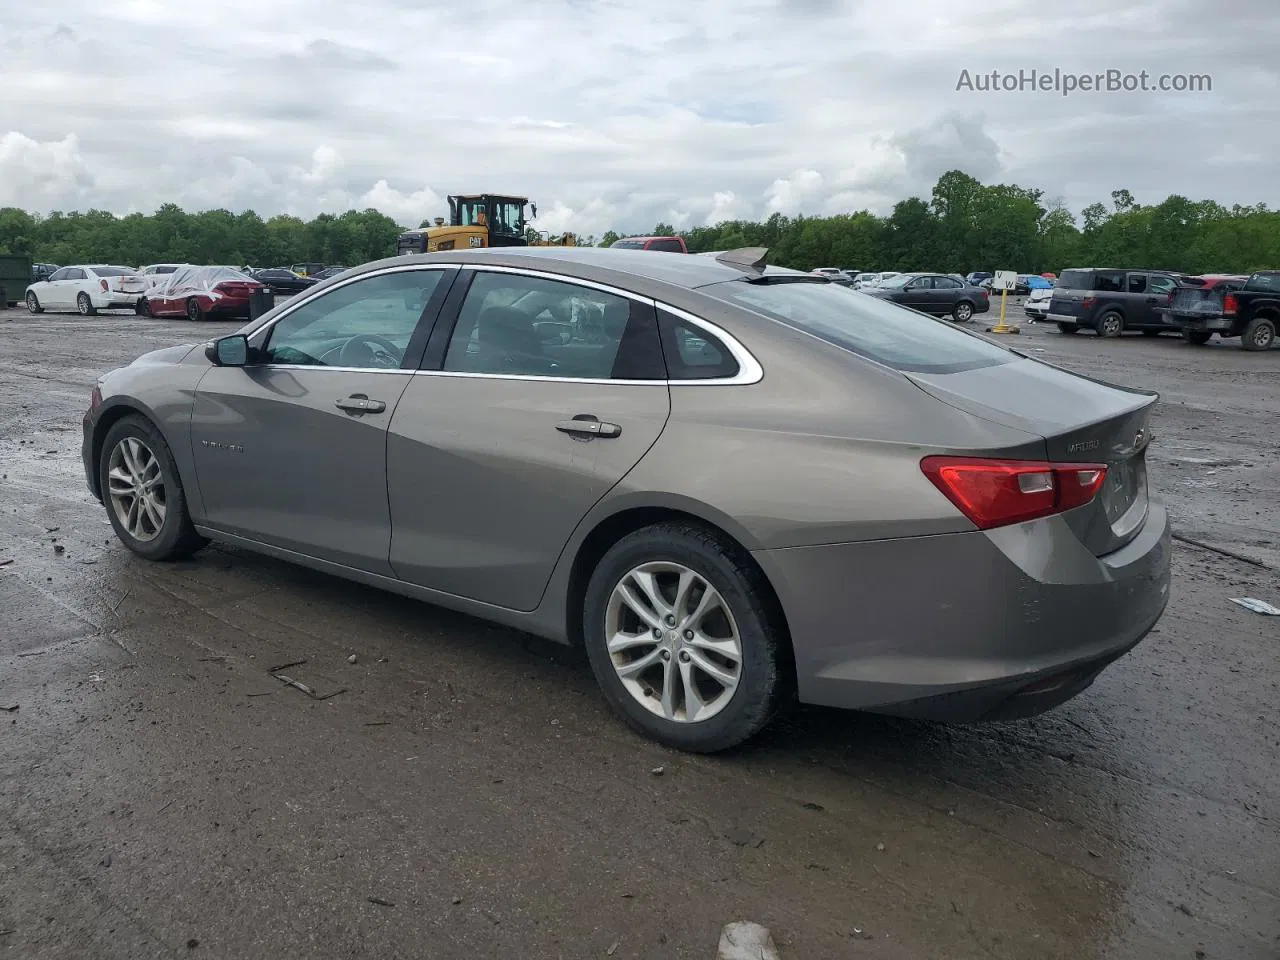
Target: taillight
[104,286]
[1089,301]
[1230,305]
[995,493]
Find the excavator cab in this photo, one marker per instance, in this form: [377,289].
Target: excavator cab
[480,220]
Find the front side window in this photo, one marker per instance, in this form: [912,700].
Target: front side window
[508,218]
[1137,283]
[1263,282]
[366,324]
[62,274]
[868,326]
[517,325]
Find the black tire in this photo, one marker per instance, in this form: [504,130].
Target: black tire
[763,682]
[962,312]
[1198,337]
[1068,328]
[142,308]
[85,305]
[1259,334]
[33,304]
[1110,324]
[177,539]
[193,310]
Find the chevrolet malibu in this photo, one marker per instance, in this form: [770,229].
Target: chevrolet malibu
[735,485]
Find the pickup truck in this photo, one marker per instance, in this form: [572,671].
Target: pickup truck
[1250,312]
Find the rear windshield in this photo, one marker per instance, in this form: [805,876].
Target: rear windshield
[113,271]
[1268,282]
[165,269]
[1112,280]
[878,330]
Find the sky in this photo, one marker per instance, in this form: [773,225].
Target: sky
[617,114]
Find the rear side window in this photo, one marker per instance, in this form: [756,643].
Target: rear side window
[1137,283]
[693,353]
[876,329]
[1111,281]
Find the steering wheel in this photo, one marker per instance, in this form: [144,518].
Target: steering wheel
[369,349]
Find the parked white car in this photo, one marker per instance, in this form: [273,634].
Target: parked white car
[156,273]
[1036,306]
[867,280]
[87,288]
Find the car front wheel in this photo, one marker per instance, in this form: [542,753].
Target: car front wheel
[33,304]
[143,493]
[193,310]
[680,638]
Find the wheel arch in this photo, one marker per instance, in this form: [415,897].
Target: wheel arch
[113,411]
[626,519]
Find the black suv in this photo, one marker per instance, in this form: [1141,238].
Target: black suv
[1111,301]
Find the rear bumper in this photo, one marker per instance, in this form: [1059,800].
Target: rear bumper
[969,626]
[1222,325]
[115,301]
[1064,318]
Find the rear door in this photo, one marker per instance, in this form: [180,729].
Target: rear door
[1160,292]
[538,398]
[946,292]
[1139,301]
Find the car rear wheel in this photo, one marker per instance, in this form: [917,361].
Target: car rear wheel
[962,311]
[33,304]
[1260,334]
[85,305]
[1110,324]
[193,310]
[1068,328]
[143,493]
[680,638]
[142,308]
[1198,337]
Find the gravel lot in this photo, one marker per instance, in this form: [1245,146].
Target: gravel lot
[468,794]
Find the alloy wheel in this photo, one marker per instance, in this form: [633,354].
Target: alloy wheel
[84,305]
[673,642]
[964,312]
[1263,334]
[136,489]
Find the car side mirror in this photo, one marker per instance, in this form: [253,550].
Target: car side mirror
[232,351]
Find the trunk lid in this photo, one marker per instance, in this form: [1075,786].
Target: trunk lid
[1081,420]
[133,284]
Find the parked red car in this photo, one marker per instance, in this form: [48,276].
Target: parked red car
[669,244]
[200,293]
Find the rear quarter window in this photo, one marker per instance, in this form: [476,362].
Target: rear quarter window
[1076,280]
[878,330]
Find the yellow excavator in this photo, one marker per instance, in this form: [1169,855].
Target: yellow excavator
[481,220]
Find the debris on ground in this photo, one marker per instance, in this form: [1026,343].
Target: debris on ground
[351,659]
[456,901]
[744,940]
[380,902]
[658,771]
[614,949]
[1257,606]
[12,709]
[880,847]
[6,562]
[59,549]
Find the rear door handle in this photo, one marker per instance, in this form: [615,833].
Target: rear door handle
[359,403]
[589,428]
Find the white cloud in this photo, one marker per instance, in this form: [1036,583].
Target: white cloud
[675,111]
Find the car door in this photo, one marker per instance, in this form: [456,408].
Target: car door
[916,293]
[69,287]
[1159,288]
[1139,303]
[539,393]
[946,291]
[291,449]
[49,292]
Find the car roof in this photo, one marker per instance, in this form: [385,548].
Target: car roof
[592,263]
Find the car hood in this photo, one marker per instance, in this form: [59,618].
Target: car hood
[165,355]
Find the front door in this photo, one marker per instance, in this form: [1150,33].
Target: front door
[291,450]
[547,393]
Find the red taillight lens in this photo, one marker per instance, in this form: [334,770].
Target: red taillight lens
[104,286]
[1230,305]
[995,493]
[1089,301]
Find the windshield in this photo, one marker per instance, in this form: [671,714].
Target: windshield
[508,217]
[897,282]
[1266,282]
[878,330]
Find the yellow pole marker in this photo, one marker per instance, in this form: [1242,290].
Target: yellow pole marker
[1005,279]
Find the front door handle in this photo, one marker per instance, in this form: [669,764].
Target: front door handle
[359,403]
[587,429]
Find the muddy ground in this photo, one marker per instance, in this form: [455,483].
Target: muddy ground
[468,794]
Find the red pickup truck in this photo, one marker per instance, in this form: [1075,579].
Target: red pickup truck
[669,244]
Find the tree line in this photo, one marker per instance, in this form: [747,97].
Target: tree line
[963,226]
